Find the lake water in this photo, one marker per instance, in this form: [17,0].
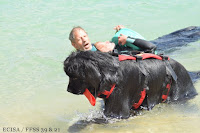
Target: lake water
[34,43]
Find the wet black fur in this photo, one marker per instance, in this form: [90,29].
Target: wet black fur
[97,71]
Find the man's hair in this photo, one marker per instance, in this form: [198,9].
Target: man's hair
[71,35]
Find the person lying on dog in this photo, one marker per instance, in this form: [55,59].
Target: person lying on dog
[128,41]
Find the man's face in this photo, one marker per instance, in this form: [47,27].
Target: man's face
[81,40]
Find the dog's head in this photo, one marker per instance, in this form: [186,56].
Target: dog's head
[92,70]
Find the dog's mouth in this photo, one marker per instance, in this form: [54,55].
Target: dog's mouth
[78,92]
[87,94]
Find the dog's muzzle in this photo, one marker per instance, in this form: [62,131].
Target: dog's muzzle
[74,91]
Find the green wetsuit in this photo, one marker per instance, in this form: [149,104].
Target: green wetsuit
[135,41]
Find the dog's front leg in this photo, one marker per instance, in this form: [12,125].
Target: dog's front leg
[117,107]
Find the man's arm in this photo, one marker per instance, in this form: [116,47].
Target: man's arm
[143,44]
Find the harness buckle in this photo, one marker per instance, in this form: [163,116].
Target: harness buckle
[115,52]
[138,58]
[164,57]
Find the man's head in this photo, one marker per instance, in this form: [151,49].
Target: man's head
[80,39]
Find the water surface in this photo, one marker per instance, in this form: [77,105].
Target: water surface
[34,43]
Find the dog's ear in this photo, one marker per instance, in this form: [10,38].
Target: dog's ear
[84,66]
[73,66]
[108,79]
[92,73]
[107,66]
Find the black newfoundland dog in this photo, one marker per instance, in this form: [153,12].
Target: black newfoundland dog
[132,83]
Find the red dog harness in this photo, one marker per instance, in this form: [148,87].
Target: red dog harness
[92,99]
[143,95]
[164,97]
[144,56]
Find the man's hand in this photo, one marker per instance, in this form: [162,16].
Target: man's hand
[122,39]
[118,27]
[104,46]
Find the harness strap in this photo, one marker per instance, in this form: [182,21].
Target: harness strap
[164,97]
[171,71]
[143,71]
[143,95]
[107,93]
[90,97]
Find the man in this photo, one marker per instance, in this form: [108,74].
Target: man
[128,42]
[80,40]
